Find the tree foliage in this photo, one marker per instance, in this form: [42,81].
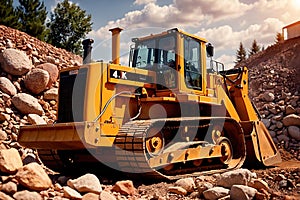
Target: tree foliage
[32,16]
[8,14]
[279,38]
[255,48]
[68,26]
[240,53]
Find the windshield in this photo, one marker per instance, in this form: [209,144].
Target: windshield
[154,53]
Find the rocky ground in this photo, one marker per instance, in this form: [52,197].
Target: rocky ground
[28,95]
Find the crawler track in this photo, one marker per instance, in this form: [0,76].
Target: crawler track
[178,135]
[132,155]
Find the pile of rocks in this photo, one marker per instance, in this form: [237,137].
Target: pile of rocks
[274,88]
[31,181]
[239,184]
[28,82]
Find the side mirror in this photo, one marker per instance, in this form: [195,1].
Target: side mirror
[210,50]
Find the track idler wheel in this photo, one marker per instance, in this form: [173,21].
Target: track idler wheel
[154,142]
[226,150]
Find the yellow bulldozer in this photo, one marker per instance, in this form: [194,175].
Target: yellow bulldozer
[172,112]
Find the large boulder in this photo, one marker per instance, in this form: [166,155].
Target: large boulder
[187,183]
[36,80]
[235,177]
[52,70]
[10,160]
[7,87]
[27,104]
[86,183]
[34,177]
[15,62]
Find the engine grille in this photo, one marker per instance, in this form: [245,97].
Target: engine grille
[71,95]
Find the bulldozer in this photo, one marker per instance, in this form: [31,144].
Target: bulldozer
[172,112]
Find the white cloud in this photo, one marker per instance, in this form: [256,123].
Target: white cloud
[142,2]
[224,23]
[181,13]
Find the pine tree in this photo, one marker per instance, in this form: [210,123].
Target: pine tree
[279,38]
[8,14]
[254,49]
[68,26]
[32,16]
[240,54]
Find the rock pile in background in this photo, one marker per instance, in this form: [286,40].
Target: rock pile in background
[275,90]
[28,81]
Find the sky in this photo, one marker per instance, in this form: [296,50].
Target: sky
[224,23]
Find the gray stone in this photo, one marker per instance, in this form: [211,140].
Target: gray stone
[236,177]
[52,70]
[51,94]
[202,186]
[7,86]
[294,132]
[279,125]
[266,122]
[86,183]
[15,62]
[35,119]
[242,192]
[36,80]
[71,193]
[215,193]
[283,138]
[268,96]
[187,183]
[27,104]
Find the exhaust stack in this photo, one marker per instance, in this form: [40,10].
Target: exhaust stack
[116,44]
[87,50]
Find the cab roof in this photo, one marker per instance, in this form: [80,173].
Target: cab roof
[168,32]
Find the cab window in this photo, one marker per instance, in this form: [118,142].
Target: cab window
[192,63]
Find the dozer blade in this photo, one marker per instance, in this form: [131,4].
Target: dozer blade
[260,146]
[54,136]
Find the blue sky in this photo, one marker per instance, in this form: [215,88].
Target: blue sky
[224,23]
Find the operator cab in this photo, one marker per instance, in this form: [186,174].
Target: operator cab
[172,54]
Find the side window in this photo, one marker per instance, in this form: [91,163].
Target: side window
[192,63]
[144,55]
[166,74]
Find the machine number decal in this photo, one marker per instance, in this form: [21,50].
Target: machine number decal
[119,75]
